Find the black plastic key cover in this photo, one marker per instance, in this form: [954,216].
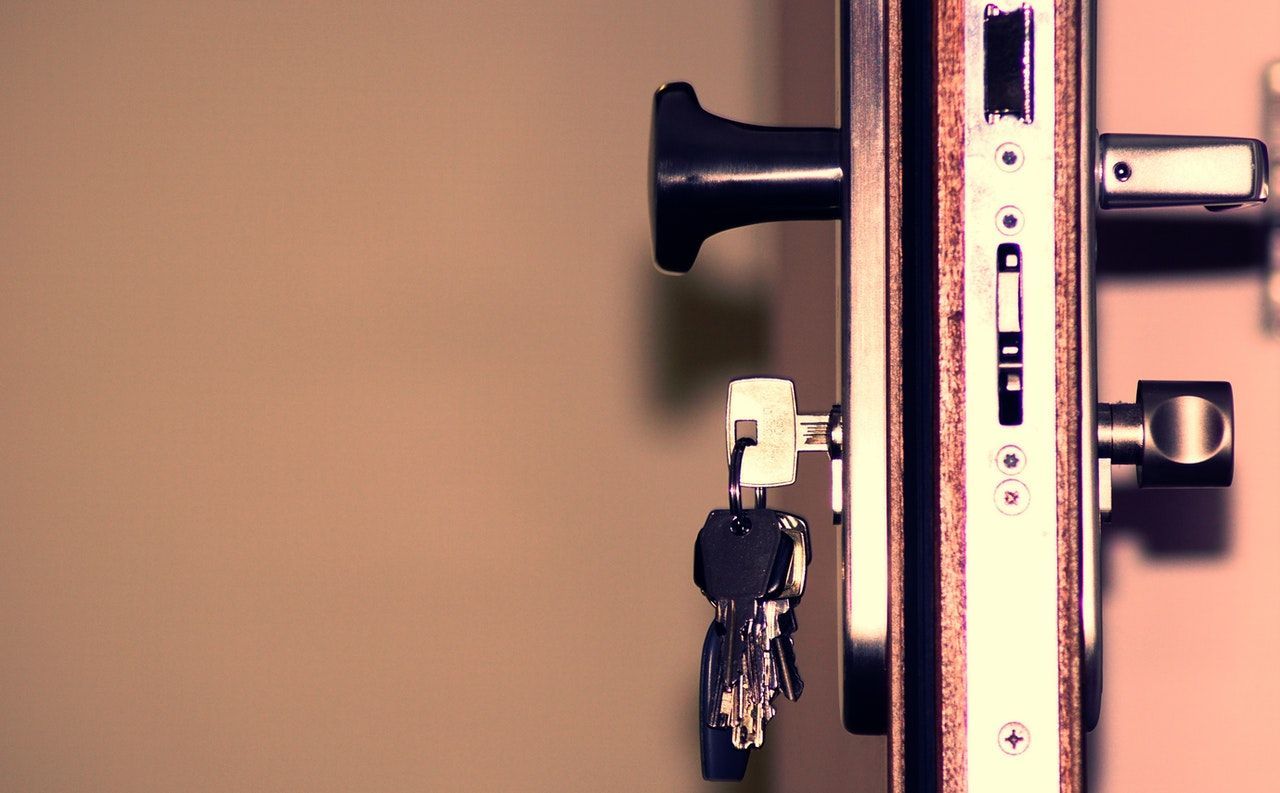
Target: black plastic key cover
[729,563]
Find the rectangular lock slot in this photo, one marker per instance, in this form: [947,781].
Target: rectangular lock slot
[1009,333]
[1007,38]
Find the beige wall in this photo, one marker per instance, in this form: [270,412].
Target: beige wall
[333,453]
[344,445]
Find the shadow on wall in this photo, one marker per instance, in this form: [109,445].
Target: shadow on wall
[701,334]
[1172,524]
[1181,244]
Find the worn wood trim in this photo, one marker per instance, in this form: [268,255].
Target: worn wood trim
[894,261]
[1070,92]
[1070,44]
[949,180]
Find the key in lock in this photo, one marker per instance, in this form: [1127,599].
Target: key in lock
[764,408]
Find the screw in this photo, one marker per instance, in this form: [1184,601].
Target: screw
[1012,497]
[1009,220]
[1014,738]
[1009,157]
[1011,460]
[1122,171]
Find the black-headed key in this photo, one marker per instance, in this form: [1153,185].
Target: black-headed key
[751,566]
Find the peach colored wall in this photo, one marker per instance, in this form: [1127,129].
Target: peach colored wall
[1192,603]
[344,448]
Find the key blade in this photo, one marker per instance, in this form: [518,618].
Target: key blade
[731,612]
[784,655]
[758,680]
[711,681]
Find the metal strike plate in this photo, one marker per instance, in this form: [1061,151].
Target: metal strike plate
[1011,417]
[1150,171]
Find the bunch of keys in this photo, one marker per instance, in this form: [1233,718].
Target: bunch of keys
[751,565]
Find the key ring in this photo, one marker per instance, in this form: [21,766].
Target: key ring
[735,484]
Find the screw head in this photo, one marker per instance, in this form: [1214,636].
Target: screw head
[1014,738]
[1009,157]
[1009,220]
[1012,497]
[1011,459]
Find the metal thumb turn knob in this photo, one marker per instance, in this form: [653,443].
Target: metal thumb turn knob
[1179,433]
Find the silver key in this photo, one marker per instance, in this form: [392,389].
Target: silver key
[765,408]
[746,705]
